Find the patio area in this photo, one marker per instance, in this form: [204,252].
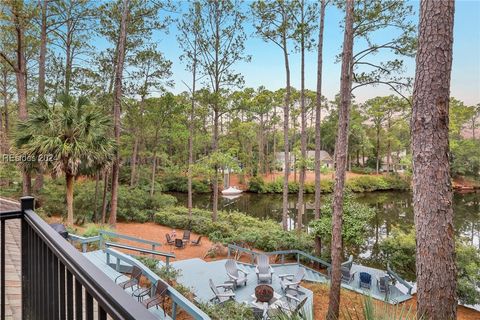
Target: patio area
[195,274]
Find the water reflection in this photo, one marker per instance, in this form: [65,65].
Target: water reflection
[394,210]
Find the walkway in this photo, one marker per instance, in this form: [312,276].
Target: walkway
[13,282]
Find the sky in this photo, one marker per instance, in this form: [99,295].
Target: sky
[267,68]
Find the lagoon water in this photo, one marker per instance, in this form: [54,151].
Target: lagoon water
[394,210]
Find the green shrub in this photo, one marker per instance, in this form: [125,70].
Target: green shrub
[293,187]
[257,184]
[10,180]
[326,185]
[362,170]
[356,219]
[229,310]
[135,204]
[179,183]
[399,250]
[234,227]
[370,183]
[52,197]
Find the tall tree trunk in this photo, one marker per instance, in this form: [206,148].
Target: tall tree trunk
[117,101]
[41,81]
[43,50]
[5,129]
[261,147]
[318,118]
[95,199]
[133,165]
[377,151]
[286,110]
[21,80]
[216,111]
[389,146]
[432,189]
[303,130]
[68,58]
[69,178]
[104,197]
[215,168]
[154,170]
[191,130]
[341,151]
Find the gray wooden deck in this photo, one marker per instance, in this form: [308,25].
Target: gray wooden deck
[195,274]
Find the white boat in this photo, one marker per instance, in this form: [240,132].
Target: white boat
[231,191]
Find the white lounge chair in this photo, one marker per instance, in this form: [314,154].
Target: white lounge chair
[236,275]
[289,281]
[263,269]
[221,297]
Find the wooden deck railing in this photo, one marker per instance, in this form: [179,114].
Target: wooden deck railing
[282,253]
[58,282]
[177,298]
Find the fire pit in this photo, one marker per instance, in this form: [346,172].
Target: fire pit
[264,293]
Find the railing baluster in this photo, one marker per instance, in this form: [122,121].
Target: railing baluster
[31,266]
[78,301]
[69,295]
[56,309]
[102,315]
[43,276]
[89,306]
[36,268]
[2,272]
[62,290]
[50,283]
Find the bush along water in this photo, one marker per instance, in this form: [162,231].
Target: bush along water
[365,183]
[235,227]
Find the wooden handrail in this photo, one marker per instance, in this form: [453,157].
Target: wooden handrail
[298,253]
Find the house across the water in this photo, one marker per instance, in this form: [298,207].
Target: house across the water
[325,159]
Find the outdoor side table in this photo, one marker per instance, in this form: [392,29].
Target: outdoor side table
[140,293]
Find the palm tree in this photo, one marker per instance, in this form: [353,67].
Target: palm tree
[69,134]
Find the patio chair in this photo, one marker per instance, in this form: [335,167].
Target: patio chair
[179,244]
[347,276]
[158,297]
[221,297]
[236,275]
[294,306]
[263,269]
[348,264]
[260,313]
[288,281]
[186,236]
[133,281]
[365,280]
[383,284]
[170,241]
[196,242]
